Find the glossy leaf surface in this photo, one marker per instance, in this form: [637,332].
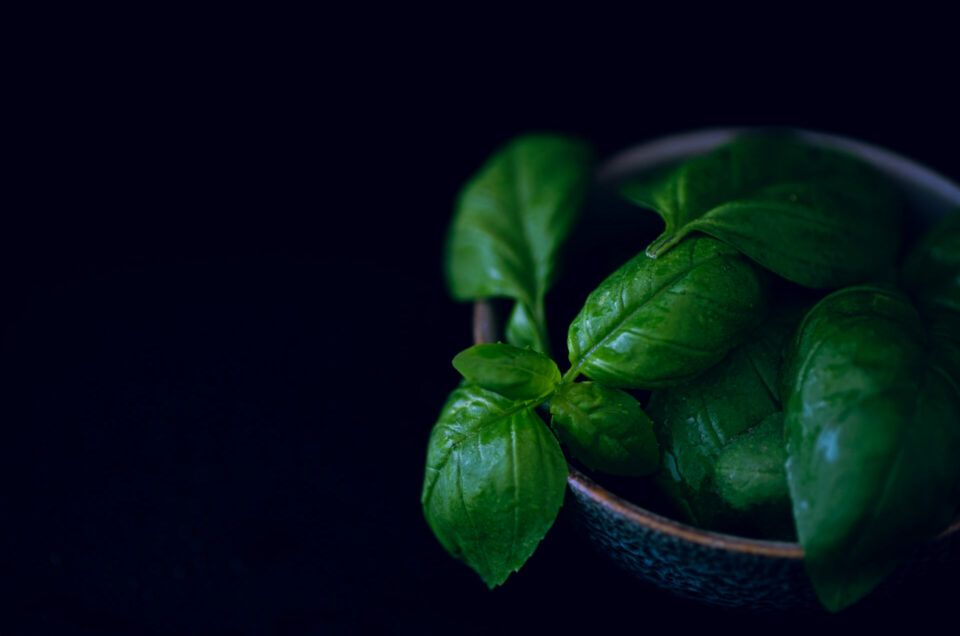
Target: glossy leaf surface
[750,470]
[695,422]
[605,428]
[658,322]
[518,374]
[813,216]
[873,435]
[512,218]
[495,480]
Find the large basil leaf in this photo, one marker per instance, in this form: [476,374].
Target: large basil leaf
[495,480]
[511,219]
[605,429]
[695,422]
[873,436]
[750,471]
[932,276]
[813,216]
[518,374]
[657,322]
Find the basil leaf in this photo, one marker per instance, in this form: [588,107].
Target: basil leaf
[494,483]
[521,330]
[657,322]
[696,422]
[813,216]
[873,436]
[750,471]
[605,429]
[518,374]
[512,218]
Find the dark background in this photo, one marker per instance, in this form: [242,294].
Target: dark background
[225,336]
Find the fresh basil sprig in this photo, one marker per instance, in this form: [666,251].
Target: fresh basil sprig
[813,216]
[873,435]
[856,432]
[511,219]
[495,474]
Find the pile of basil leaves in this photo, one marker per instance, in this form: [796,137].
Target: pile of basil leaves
[830,412]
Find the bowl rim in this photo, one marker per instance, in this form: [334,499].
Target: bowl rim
[673,147]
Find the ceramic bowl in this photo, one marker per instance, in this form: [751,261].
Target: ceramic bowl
[711,567]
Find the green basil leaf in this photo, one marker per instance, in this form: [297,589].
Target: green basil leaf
[494,483]
[522,331]
[695,422]
[605,429]
[813,216]
[518,374]
[512,218]
[873,436]
[750,471]
[657,322]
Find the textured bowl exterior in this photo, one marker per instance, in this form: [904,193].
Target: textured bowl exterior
[700,566]
[715,568]
[719,569]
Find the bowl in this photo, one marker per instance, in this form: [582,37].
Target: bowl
[712,567]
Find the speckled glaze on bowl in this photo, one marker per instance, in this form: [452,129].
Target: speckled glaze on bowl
[711,567]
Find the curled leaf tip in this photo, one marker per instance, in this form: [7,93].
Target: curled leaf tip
[663,244]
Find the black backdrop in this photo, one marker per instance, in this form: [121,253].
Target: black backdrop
[225,335]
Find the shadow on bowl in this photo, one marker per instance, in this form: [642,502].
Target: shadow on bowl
[711,567]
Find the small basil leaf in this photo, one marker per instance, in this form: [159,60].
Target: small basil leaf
[696,421]
[750,471]
[605,429]
[494,483]
[512,218]
[657,322]
[518,374]
[522,331]
[813,216]
[873,435]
